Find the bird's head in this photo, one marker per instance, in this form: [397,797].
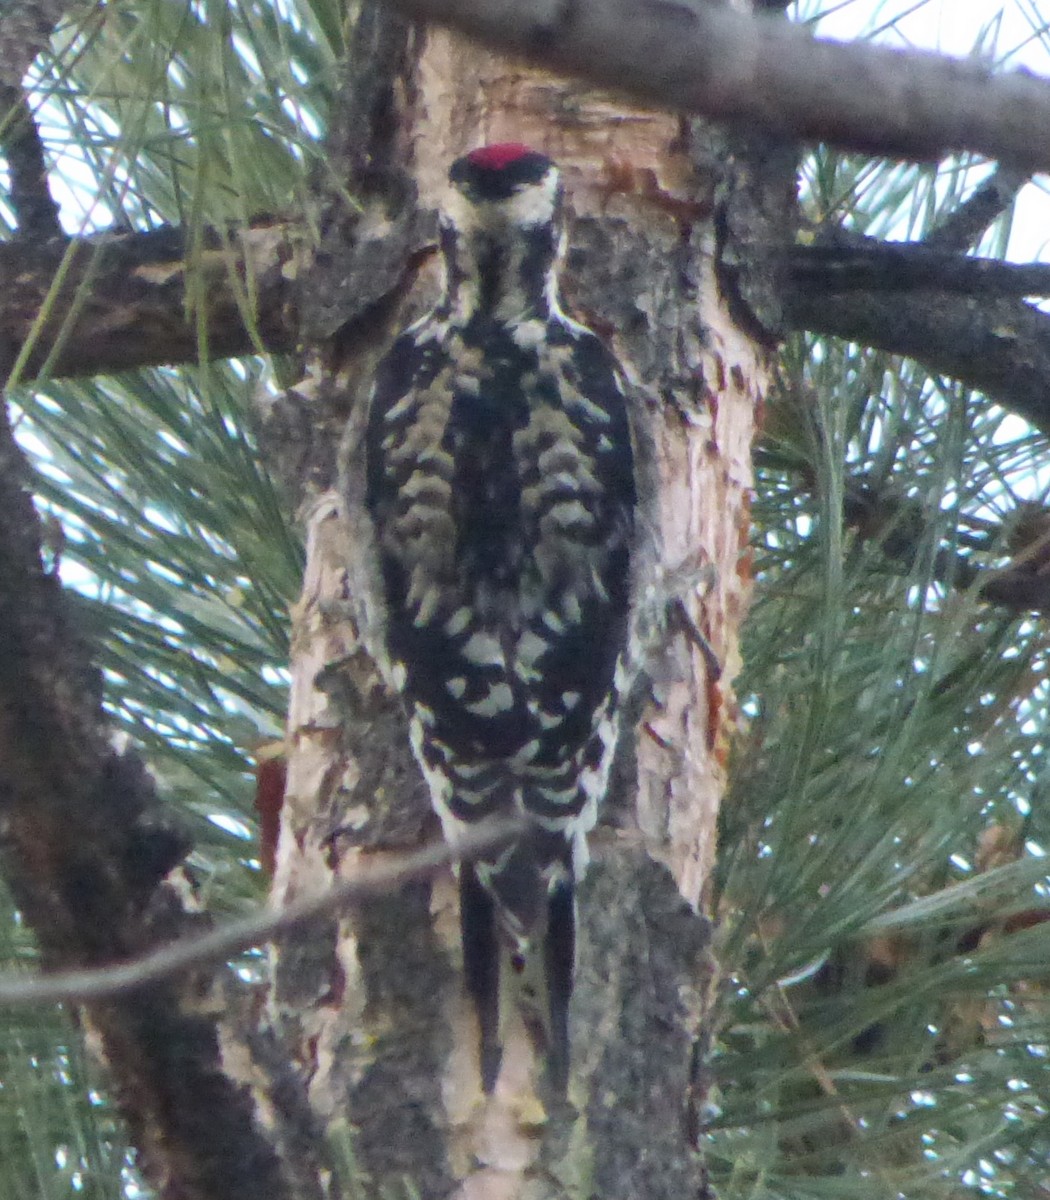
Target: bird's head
[501,229]
[506,186]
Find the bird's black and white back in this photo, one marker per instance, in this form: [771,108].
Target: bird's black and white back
[500,493]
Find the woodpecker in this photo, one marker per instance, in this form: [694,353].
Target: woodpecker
[499,495]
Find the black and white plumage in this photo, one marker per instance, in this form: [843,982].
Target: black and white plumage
[499,495]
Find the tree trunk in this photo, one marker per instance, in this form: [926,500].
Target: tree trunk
[372,1006]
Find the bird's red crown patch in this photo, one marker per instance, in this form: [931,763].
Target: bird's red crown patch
[495,158]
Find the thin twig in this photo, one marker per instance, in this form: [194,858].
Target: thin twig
[963,227]
[80,987]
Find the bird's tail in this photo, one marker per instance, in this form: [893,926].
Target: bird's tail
[526,893]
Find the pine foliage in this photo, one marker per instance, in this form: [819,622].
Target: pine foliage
[883,887]
[159,515]
[883,1017]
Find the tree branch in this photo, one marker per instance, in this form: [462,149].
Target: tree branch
[1000,347]
[901,526]
[122,303]
[118,301]
[36,213]
[762,71]
[25,29]
[960,229]
[84,849]
[847,262]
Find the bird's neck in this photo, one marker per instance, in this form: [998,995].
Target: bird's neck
[506,277]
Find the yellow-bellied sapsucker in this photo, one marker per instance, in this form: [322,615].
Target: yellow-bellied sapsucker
[499,493]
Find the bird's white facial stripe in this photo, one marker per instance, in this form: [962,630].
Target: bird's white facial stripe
[532,204]
[536,204]
[459,211]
